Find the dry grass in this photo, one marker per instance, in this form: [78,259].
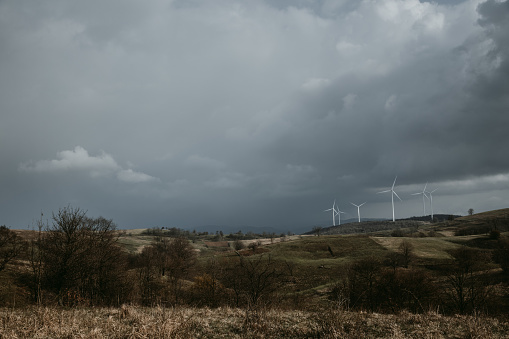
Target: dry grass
[138,322]
[430,248]
[216,243]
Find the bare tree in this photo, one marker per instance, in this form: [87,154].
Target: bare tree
[148,271]
[467,290]
[174,258]
[406,249]
[34,280]
[502,256]
[363,278]
[317,230]
[10,246]
[207,288]
[81,259]
[470,211]
[254,279]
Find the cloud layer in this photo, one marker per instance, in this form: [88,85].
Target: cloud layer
[258,113]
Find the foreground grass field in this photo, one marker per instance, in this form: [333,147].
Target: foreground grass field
[138,322]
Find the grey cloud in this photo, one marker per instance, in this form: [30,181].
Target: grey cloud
[129,175]
[494,84]
[79,160]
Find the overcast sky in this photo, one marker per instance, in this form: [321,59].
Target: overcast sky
[183,113]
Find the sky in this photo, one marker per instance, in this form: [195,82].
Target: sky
[256,113]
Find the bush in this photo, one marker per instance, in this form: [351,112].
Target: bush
[10,246]
[238,245]
[473,230]
[495,234]
[398,233]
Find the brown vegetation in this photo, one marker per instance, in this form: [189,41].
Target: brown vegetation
[77,262]
[183,322]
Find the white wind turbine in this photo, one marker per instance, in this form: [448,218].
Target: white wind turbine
[431,202]
[358,209]
[393,193]
[423,200]
[334,212]
[338,213]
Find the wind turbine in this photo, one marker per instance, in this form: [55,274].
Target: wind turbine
[392,197]
[334,212]
[431,202]
[338,213]
[423,200]
[358,209]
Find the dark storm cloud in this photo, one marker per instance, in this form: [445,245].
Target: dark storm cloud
[180,113]
[494,84]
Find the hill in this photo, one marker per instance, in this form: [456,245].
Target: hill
[368,227]
[233,229]
[412,224]
[436,217]
[480,223]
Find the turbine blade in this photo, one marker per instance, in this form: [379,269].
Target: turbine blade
[396,194]
[394,183]
[384,191]
[362,204]
[416,193]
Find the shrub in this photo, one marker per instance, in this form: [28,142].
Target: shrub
[398,233]
[495,234]
[238,245]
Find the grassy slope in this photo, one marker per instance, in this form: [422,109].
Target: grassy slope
[495,218]
[314,250]
[424,248]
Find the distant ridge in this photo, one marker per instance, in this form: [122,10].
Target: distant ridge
[348,221]
[436,217]
[479,223]
[233,229]
[367,227]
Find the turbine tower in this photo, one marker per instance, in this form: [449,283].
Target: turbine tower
[393,193]
[431,202]
[423,200]
[358,209]
[334,212]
